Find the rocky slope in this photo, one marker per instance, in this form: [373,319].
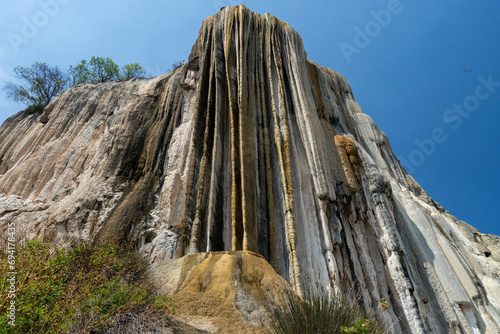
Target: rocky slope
[249,148]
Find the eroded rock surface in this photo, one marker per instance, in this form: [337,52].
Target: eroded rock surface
[250,146]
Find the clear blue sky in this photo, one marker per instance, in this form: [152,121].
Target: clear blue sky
[406,70]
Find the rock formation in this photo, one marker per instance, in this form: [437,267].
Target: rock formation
[249,148]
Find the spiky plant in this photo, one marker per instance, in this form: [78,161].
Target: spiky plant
[322,313]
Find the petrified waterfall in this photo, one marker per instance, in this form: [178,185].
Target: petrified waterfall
[251,147]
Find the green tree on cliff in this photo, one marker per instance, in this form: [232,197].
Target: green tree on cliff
[39,84]
[133,70]
[98,69]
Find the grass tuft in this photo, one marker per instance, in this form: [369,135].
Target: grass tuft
[321,314]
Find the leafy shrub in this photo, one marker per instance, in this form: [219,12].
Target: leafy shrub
[322,313]
[33,109]
[81,290]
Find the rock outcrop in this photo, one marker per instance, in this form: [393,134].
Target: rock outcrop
[248,147]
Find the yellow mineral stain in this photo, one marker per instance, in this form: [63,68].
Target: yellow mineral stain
[269,172]
[283,159]
[247,136]
[210,284]
[235,177]
[348,152]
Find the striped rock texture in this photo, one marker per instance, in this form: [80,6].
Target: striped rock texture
[251,147]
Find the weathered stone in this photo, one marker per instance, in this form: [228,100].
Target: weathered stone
[248,147]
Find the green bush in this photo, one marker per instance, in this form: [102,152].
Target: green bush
[322,314]
[33,109]
[81,290]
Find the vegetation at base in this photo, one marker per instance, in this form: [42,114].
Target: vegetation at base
[323,313]
[84,289]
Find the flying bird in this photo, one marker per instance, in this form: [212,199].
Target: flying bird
[467,70]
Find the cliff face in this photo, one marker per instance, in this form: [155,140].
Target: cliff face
[249,147]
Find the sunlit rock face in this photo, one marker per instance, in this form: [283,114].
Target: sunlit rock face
[250,146]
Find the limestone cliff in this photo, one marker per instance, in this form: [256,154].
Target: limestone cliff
[251,147]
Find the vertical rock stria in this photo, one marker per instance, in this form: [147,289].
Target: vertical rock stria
[250,147]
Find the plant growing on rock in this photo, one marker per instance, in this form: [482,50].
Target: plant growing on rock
[133,70]
[322,313]
[39,84]
[98,69]
[177,64]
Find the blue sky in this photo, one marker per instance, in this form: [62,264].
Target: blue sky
[405,61]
